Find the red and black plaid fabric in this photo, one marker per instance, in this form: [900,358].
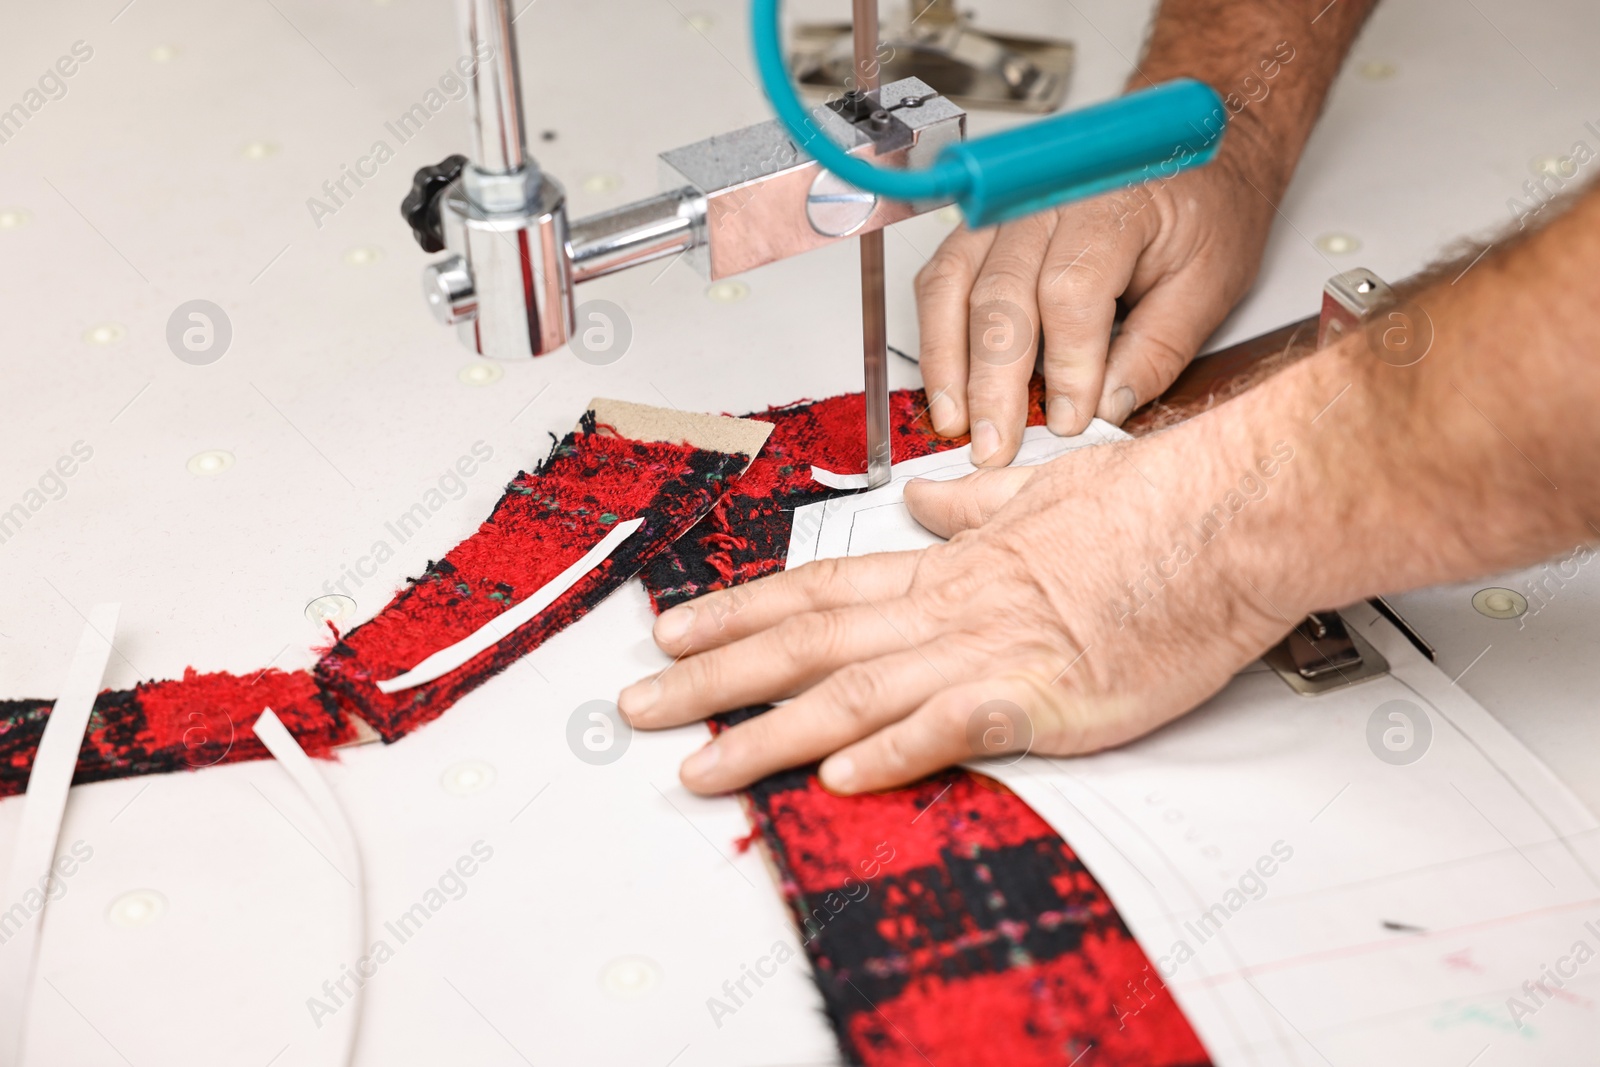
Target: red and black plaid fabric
[747,534]
[195,721]
[946,922]
[545,522]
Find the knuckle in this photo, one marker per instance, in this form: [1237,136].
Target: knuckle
[1075,289]
[894,752]
[952,593]
[858,690]
[1075,372]
[805,636]
[975,506]
[1075,311]
[693,674]
[1164,358]
[1001,331]
[1064,271]
[998,391]
[952,717]
[819,575]
[993,491]
[943,276]
[1004,280]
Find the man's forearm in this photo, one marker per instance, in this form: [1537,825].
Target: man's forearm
[1272,61]
[1478,457]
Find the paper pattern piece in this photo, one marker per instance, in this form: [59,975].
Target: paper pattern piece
[878,521]
[1308,889]
[747,535]
[1038,445]
[33,857]
[502,625]
[1305,898]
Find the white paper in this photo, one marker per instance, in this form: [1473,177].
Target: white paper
[1406,906]
[878,521]
[448,659]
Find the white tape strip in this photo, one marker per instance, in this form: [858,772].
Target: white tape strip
[293,759]
[49,782]
[838,481]
[448,659]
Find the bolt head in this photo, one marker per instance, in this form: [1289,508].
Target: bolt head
[447,287]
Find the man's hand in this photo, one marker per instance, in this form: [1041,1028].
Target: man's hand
[1179,253]
[1093,599]
[1024,627]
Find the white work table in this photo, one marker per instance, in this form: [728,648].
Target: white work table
[177,166]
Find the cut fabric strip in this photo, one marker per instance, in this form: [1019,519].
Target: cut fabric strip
[283,747]
[980,937]
[179,724]
[448,659]
[623,459]
[667,468]
[32,867]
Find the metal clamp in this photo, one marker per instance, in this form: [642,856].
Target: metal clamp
[1347,299]
[1322,654]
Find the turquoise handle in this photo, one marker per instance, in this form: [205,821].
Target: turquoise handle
[1149,135]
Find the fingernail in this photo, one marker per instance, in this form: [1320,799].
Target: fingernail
[985,440]
[943,413]
[838,774]
[1120,405]
[638,697]
[675,623]
[1060,414]
[700,764]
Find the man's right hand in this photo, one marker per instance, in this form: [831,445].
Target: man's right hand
[1180,252]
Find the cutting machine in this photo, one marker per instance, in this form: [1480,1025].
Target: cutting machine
[869,157]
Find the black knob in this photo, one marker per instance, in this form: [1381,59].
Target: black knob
[420,208]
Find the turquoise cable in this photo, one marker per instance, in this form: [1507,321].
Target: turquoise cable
[945,180]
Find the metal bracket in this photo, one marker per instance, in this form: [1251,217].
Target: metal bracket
[867,114]
[762,198]
[1323,654]
[1347,299]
